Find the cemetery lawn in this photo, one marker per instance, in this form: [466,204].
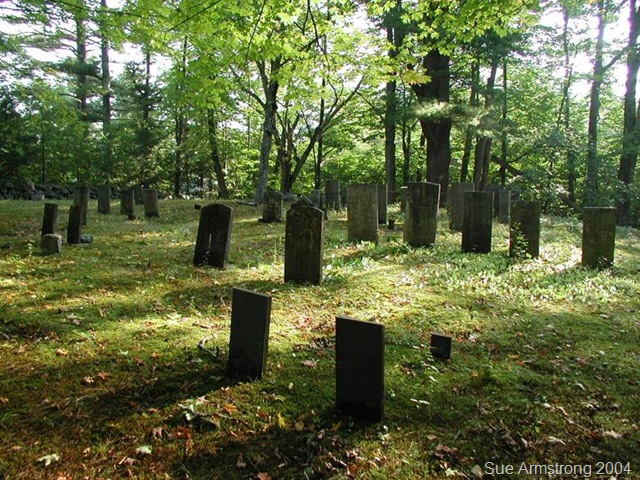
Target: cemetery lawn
[113,355]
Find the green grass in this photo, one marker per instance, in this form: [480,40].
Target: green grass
[101,373]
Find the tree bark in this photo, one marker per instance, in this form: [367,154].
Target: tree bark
[212,124]
[565,109]
[180,127]
[107,152]
[484,142]
[468,137]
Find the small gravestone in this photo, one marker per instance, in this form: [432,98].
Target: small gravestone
[362,213]
[360,368]
[332,189]
[150,200]
[504,206]
[51,244]
[75,225]
[456,203]
[128,204]
[382,204]
[476,227]
[524,229]
[250,318]
[421,223]
[304,244]
[214,235]
[598,236]
[272,207]
[50,218]
[81,199]
[440,346]
[104,199]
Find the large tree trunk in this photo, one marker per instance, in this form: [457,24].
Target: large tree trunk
[212,124]
[107,152]
[390,123]
[469,133]
[484,142]
[180,130]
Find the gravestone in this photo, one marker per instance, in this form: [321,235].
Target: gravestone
[332,191]
[456,203]
[138,194]
[51,244]
[81,198]
[104,199]
[477,223]
[74,230]
[524,229]
[150,200]
[598,236]
[495,189]
[272,207]
[504,206]
[50,218]
[360,368]
[128,204]
[404,194]
[440,346]
[304,244]
[38,197]
[214,235]
[382,204]
[362,213]
[316,198]
[421,223]
[250,318]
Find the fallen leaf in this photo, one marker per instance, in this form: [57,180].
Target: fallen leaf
[4,400]
[88,380]
[61,352]
[49,459]
[282,423]
[264,476]
[230,408]
[299,425]
[309,363]
[144,449]
[103,375]
[612,434]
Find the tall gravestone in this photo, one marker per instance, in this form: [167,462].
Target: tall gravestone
[49,219]
[271,207]
[524,229]
[128,204]
[456,203]
[477,223]
[214,235]
[360,368]
[362,213]
[150,201]
[504,206]
[382,204]
[104,199]
[81,199]
[598,236]
[74,230]
[332,192]
[421,222]
[404,195]
[304,244]
[248,345]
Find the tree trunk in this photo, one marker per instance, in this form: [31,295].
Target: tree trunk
[107,152]
[468,137]
[390,123]
[180,127]
[212,124]
[483,143]
[565,110]
[505,110]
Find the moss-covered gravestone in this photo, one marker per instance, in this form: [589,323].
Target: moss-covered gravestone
[524,229]
[362,213]
[128,204]
[150,201]
[272,207]
[214,235]
[421,222]
[304,244]
[598,236]
[104,199]
[477,224]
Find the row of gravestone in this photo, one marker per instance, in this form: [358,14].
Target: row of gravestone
[359,353]
[39,192]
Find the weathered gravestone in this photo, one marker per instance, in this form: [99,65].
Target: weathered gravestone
[104,199]
[382,204]
[477,223]
[421,223]
[74,232]
[138,194]
[214,235]
[362,213]
[504,206]
[360,368]
[456,203]
[404,195]
[440,346]
[51,244]
[524,229]
[81,199]
[332,194]
[272,207]
[250,318]
[128,204]
[150,201]
[50,218]
[598,236]
[304,244]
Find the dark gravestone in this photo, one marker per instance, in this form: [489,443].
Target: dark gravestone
[504,206]
[440,346]
[362,213]
[75,225]
[150,200]
[332,191]
[304,244]
[250,317]
[138,195]
[272,207]
[524,229]
[214,235]
[81,199]
[456,203]
[382,204]
[360,368]
[51,244]
[104,199]
[421,223]
[128,204]
[477,223]
[598,236]
[404,194]
[50,218]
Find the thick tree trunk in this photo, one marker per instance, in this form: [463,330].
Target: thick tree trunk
[565,108]
[212,124]
[469,134]
[483,143]
[390,124]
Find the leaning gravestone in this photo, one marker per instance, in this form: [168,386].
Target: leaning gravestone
[250,318]
[362,213]
[150,201]
[524,229]
[456,203]
[214,235]
[360,368]
[304,244]
[104,199]
[332,191]
[51,244]
[81,199]
[598,236]
[272,207]
[421,223]
[50,218]
[382,204]
[128,204]
[74,232]
[476,227]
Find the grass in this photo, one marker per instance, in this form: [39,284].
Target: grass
[101,376]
